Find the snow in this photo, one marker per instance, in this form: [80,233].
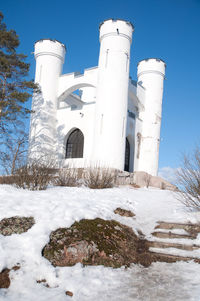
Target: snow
[61,207]
[184,241]
[178,252]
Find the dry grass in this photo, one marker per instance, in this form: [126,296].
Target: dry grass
[68,177]
[9,180]
[99,178]
[34,176]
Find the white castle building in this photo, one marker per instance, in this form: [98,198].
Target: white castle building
[113,121]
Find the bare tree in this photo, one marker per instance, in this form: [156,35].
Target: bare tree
[13,148]
[188,177]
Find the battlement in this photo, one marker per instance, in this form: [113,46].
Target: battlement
[52,40]
[151,65]
[117,27]
[78,73]
[115,20]
[154,59]
[50,47]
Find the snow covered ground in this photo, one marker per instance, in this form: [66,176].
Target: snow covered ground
[61,207]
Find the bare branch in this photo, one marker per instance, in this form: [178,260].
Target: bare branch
[189,180]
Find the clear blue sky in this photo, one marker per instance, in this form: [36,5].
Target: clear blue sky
[167,29]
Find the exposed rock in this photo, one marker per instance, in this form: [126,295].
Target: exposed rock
[4,277]
[124,212]
[15,225]
[134,185]
[96,242]
[68,293]
[124,178]
[44,282]
[142,179]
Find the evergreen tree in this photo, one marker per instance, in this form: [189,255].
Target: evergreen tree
[15,90]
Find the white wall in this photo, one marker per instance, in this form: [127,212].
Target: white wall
[67,120]
[112,93]
[151,74]
[49,57]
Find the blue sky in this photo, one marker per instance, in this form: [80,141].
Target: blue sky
[167,29]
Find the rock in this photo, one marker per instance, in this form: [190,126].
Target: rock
[162,184]
[124,212]
[133,185]
[97,242]
[44,282]
[79,251]
[123,178]
[15,225]
[68,293]
[143,179]
[4,277]
[139,179]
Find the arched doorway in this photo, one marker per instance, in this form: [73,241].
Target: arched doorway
[127,156]
[74,146]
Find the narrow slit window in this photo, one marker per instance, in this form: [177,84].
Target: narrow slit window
[106,64]
[40,76]
[127,61]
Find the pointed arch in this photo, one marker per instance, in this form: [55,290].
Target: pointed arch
[75,144]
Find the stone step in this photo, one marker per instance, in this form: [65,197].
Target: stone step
[171,258]
[187,227]
[172,235]
[161,244]
[192,229]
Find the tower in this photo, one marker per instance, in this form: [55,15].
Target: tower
[112,93]
[151,73]
[49,56]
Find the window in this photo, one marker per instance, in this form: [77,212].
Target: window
[131,114]
[127,156]
[74,147]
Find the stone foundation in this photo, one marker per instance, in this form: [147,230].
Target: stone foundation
[142,179]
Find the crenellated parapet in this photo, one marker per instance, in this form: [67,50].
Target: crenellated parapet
[68,83]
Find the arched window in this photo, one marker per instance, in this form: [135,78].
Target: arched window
[127,156]
[74,147]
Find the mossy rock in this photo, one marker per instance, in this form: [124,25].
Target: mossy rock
[15,225]
[96,242]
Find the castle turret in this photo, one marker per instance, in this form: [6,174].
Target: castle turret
[49,55]
[112,93]
[151,73]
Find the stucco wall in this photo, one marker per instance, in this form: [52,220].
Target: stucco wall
[110,108]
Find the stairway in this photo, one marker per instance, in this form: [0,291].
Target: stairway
[175,241]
